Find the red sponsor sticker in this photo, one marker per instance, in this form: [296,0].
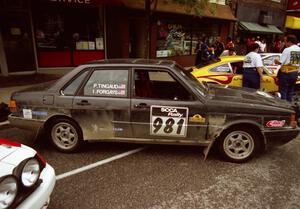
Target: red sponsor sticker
[275,123]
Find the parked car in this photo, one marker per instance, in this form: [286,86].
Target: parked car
[155,102]
[268,61]
[26,180]
[229,71]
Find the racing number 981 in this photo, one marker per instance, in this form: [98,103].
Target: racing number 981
[166,125]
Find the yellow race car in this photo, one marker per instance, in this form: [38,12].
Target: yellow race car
[229,71]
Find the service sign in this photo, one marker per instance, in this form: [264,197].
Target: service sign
[168,121]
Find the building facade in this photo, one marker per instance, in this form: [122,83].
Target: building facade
[259,18]
[54,35]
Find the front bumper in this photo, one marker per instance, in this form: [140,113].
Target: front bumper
[40,197]
[280,137]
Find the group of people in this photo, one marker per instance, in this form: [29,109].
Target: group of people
[287,74]
[207,54]
[253,65]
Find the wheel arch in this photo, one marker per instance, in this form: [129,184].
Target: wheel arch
[249,125]
[56,117]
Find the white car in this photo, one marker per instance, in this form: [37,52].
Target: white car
[26,180]
[268,61]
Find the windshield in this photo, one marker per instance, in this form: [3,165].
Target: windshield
[198,85]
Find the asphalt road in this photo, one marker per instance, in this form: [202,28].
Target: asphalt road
[163,177]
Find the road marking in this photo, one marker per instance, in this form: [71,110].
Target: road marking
[99,163]
[4,123]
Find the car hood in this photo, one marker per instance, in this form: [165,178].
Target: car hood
[13,153]
[246,97]
[6,151]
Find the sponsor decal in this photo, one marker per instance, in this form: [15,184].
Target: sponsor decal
[27,113]
[168,121]
[39,113]
[109,89]
[275,123]
[197,119]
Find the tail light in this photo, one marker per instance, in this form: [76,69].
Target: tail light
[293,122]
[12,105]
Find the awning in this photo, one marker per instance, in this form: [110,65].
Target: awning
[292,22]
[217,11]
[257,28]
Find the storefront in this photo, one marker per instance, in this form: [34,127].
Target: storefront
[174,31]
[36,35]
[67,34]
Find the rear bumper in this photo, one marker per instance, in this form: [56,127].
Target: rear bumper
[28,124]
[40,197]
[280,137]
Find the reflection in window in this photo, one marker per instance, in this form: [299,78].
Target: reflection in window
[71,89]
[108,83]
[221,69]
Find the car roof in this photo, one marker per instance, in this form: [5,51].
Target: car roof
[232,58]
[132,62]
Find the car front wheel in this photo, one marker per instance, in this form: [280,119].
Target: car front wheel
[238,145]
[65,135]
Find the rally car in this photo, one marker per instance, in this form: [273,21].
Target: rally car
[268,61]
[229,71]
[26,180]
[155,102]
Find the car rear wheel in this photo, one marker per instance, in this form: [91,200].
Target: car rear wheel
[238,145]
[65,135]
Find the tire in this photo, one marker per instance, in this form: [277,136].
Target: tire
[65,135]
[238,144]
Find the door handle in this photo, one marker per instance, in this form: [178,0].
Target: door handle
[83,103]
[141,105]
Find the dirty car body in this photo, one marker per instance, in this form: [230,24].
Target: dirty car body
[152,101]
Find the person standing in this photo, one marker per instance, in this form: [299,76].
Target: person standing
[219,47]
[253,71]
[288,72]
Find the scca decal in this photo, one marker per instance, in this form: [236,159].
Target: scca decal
[275,123]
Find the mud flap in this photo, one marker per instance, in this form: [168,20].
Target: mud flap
[207,149]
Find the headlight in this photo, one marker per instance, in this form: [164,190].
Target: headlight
[30,172]
[8,191]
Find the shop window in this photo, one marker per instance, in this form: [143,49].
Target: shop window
[173,40]
[70,35]
[71,28]
[176,39]
[107,83]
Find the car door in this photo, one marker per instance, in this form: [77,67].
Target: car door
[163,108]
[268,83]
[102,106]
[223,74]
[237,69]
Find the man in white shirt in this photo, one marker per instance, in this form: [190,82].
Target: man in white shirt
[288,73]
[253,71]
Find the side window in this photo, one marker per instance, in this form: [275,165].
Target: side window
[270,60]
[159,85]
[107,83]
[71,88]
[221,69]
[237,68]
